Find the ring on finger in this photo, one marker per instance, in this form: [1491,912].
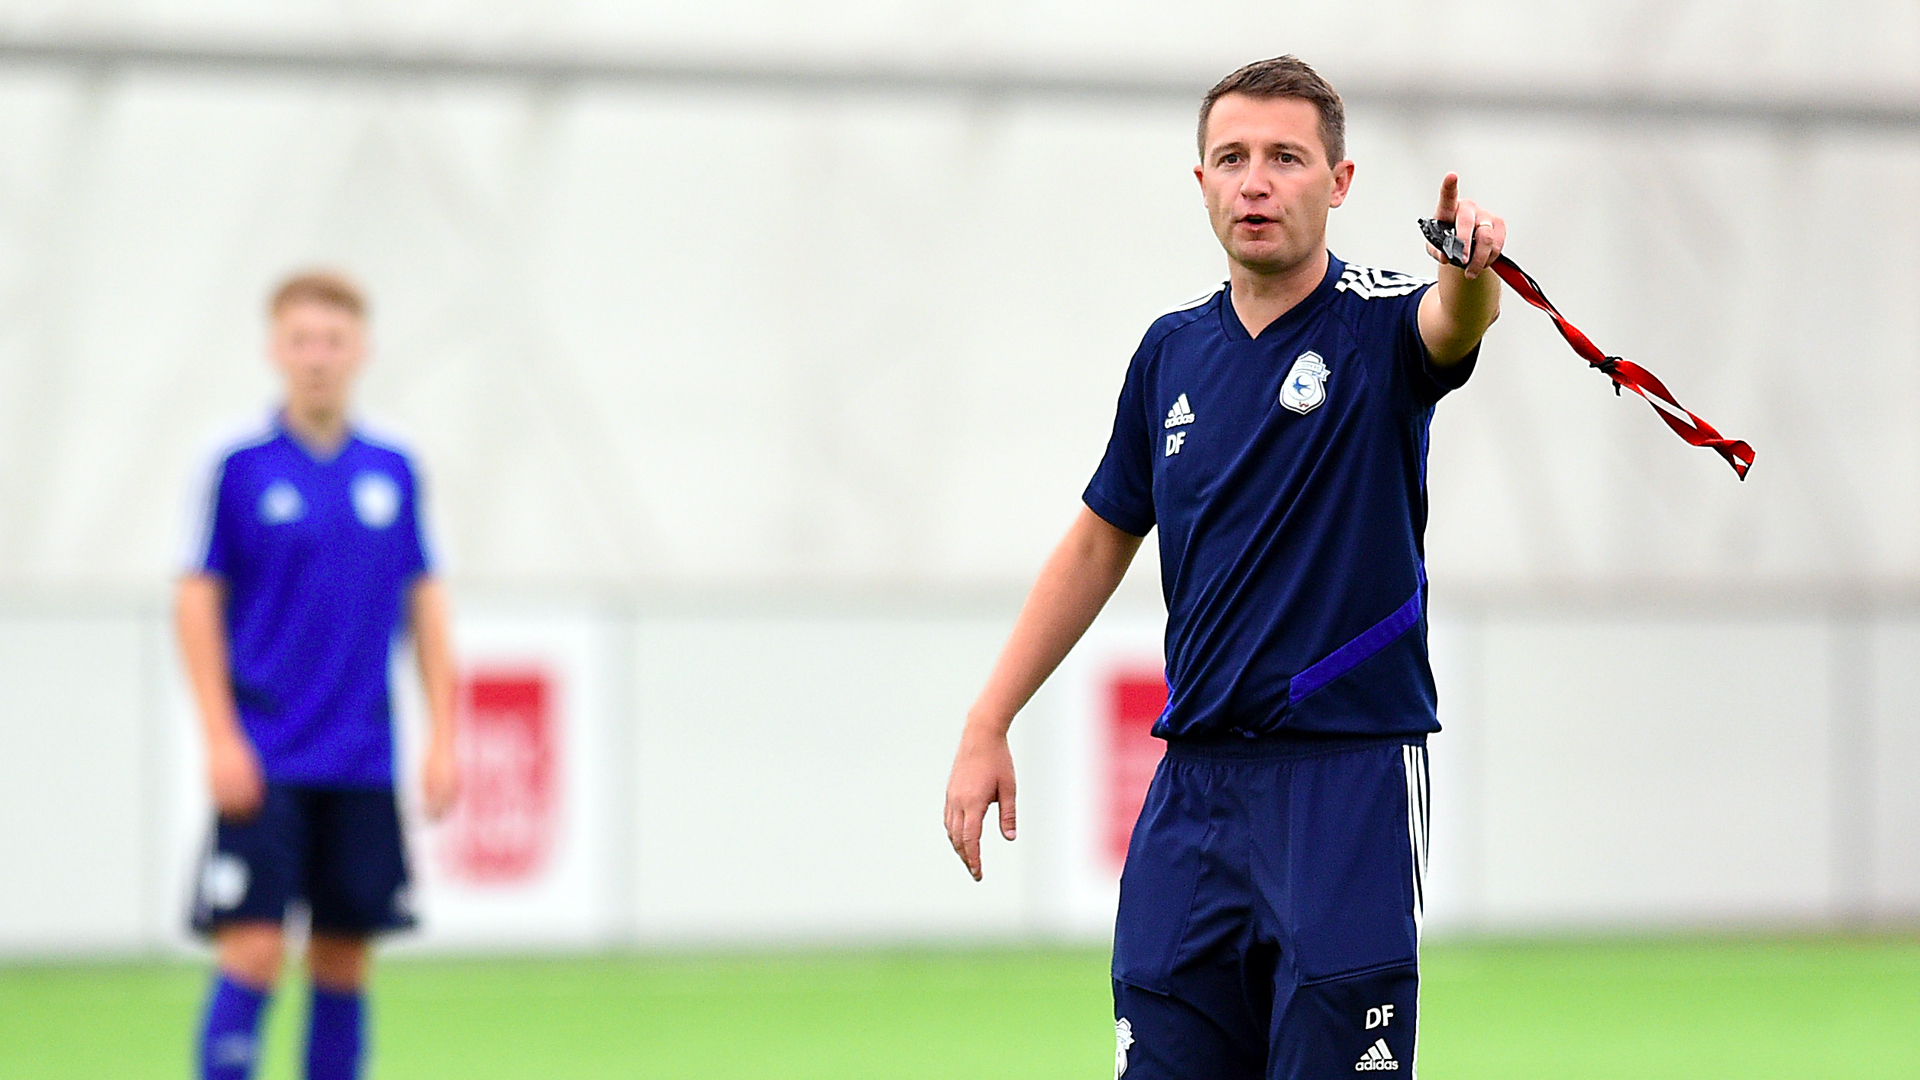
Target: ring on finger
[1487,224]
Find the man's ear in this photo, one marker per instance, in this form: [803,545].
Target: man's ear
[1342,183]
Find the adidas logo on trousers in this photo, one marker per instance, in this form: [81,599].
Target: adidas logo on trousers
[1377,1059]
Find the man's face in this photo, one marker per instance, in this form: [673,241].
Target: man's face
[318,348]
[1267,181]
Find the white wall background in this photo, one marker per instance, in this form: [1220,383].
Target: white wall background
[752,325]
[771,771]
[808,341]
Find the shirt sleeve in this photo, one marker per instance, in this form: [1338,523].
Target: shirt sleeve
[418,553]
[1121,491]
[1430,382]
[206,545]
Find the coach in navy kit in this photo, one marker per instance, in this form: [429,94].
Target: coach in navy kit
[1275,432]
[310,562]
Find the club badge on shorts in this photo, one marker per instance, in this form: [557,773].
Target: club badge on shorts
[1306,385]
[1123,1041]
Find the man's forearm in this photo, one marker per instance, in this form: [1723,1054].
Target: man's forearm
[1073,586]
[200,626]
[433,647]
[1462,311]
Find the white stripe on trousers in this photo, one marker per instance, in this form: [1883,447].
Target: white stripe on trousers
[1414,763]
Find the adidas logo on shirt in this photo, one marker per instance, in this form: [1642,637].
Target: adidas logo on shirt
[1377,1059]
[1181,414]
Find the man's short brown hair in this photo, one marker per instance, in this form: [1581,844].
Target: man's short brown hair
[1284,77]
[319,287]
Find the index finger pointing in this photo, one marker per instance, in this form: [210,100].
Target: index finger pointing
[1449,194]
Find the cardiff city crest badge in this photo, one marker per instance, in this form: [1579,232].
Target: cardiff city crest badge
[1306,385]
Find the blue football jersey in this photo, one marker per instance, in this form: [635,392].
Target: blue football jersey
[1287,476]
[317,557]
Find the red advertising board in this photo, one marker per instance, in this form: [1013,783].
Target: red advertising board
[503,824]
[1133,701]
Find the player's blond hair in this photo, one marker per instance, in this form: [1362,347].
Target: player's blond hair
[328,287]
[1284,77]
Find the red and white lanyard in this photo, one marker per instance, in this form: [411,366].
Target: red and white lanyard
[1623,372]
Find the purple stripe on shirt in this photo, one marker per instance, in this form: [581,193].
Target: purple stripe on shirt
[1355,652]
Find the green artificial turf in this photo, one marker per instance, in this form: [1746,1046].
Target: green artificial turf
[1791,1008]
[1798,1008]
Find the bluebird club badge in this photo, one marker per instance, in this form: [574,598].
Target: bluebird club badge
[1306,385]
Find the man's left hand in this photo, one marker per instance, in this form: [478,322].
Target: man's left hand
[1484,234]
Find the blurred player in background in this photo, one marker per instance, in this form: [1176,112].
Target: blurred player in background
[1276,434]
[309,563]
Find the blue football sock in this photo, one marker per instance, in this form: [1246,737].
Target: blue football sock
[230,1038]
[335,1031]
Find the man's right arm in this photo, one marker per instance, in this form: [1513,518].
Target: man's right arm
[1073,586]
[233,768]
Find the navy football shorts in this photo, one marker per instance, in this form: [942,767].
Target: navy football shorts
[337,849]
[1270,912]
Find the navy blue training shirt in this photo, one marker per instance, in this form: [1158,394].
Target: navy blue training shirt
[1287,476]
[317,557]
